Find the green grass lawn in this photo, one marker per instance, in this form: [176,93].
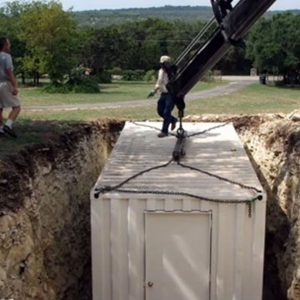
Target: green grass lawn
[114,92]
[253,99]
[37,127]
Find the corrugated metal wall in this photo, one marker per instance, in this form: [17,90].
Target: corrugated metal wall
[118,246]
[118,222]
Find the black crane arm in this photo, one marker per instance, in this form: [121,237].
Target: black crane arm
[227,28]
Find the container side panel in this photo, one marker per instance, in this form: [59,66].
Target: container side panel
[119,249]
[187,204]
[259,219]
[169,204]
[160,204]
[226,252]
[101,251]
[239,266]
[152,204]
[196,204]
[213,208]
[215,251]
[136,234]
[248,259]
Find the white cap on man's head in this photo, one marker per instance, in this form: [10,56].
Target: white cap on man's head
[164,59]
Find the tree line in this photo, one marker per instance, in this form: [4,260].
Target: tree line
[274,47]
[48,40]
[105,17]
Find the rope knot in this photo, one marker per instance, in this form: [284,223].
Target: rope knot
[102,190]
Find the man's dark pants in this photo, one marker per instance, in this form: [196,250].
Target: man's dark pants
[165,105]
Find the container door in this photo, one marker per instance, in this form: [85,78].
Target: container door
[178,249]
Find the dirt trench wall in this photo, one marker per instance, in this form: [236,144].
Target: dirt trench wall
[44,216]
[274,146]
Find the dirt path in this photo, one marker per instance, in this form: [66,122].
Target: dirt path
[217,91]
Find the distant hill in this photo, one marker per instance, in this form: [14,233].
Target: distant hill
[100,18]
[292,11]
[106,17]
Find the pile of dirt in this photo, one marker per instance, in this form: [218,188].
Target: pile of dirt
[44,207]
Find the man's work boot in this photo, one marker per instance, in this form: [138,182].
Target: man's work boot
[173,125]
[9,131]
[162,135]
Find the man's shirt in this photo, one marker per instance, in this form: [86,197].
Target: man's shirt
[162,81]
[5,64]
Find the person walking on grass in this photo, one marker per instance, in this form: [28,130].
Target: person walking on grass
[8,89]
[165,104]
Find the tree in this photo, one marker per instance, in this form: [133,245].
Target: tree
[10,27]
[235,62]
[138,45]
[274,45]
[50,37]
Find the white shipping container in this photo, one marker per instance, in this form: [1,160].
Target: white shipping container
[172,246]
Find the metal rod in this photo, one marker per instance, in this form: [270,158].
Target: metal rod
[194,41]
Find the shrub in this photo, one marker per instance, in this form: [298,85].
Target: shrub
[57,88]
[208,77]
[89,85]
[78,82]
[133,75]
[116,71]
[104,77]
[150,76]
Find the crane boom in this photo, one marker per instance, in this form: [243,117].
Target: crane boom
[228,27]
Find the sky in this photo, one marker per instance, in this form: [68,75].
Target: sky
[115,4]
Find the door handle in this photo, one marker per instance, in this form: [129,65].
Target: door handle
[150,284]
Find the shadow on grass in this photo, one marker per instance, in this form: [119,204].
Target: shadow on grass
[285,87]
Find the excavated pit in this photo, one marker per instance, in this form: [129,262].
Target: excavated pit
[45,208]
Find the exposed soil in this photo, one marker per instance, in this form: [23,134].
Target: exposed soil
[45,214]
[44,207]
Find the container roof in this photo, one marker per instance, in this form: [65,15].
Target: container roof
[218,151]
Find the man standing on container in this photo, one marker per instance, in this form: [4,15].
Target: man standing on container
[8,89]
[165,104]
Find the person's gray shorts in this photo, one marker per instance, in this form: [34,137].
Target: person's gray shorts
[7,99]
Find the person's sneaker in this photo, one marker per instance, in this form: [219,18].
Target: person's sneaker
[9,131]
[162,134]
[173,125]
